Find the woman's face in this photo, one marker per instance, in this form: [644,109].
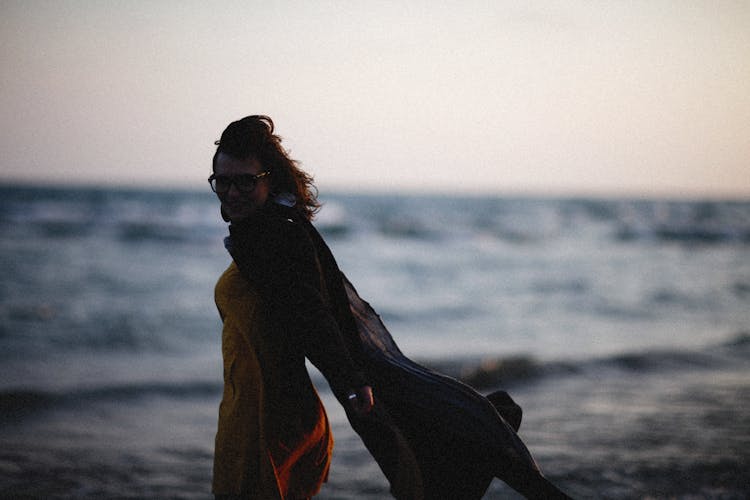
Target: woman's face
[239,204]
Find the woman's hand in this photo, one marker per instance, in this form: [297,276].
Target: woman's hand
[361,400]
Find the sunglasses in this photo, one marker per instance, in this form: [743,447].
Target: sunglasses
[245,183]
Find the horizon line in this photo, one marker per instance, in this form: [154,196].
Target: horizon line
[364,190]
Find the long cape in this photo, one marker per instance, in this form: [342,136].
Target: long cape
[433,436]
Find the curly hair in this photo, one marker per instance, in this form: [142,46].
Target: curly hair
[253,136]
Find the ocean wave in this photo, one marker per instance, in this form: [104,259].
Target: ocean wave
[128,215]
[508,371]
[22,403]
[741,289]
[64,228]
[696,235]
[503,371]
[143,231]
[138,216]
[705,223]
[740,340]
[484,374]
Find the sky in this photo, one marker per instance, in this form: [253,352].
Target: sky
[608,97]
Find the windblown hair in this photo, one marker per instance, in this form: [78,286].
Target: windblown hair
[253,136]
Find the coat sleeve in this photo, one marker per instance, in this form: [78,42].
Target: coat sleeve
[276,255]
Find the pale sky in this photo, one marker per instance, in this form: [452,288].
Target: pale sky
[501,96]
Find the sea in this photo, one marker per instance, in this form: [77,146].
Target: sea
[621,326]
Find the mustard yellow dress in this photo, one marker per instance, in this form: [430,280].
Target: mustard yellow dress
[273,440]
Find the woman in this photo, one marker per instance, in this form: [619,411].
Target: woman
[284,299]
[273,439]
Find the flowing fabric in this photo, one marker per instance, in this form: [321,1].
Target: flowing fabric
[459,439]
[433,436]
